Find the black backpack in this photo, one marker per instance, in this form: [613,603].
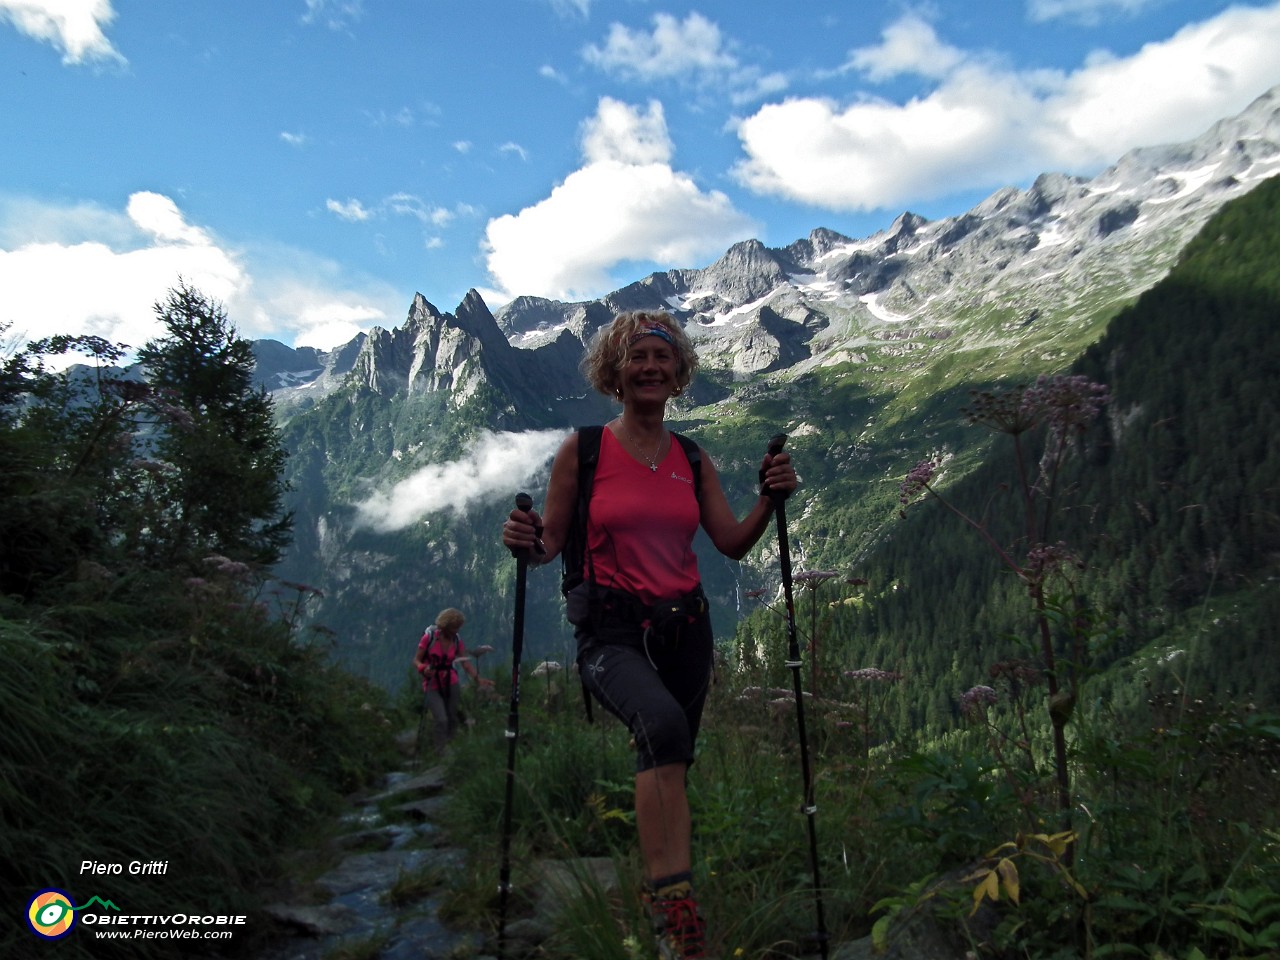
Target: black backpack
[573,555]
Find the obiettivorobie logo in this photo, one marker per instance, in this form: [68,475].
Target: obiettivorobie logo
[52,916]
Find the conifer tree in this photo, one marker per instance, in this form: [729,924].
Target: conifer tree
[226,450]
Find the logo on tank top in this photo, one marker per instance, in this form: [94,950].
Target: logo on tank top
[676,476]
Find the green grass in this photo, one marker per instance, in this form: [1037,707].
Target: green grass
[902,827]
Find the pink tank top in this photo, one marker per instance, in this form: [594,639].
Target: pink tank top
[642,523]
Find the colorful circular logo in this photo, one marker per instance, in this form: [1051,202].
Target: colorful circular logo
[50,914]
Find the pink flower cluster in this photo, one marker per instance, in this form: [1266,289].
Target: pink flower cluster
[975,698]
[813,577]
[232,569]
[916,481]
[1047,557]
[1067,404]
[874,674]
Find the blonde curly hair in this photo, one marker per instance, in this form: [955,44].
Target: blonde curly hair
[450,620]
[610,348]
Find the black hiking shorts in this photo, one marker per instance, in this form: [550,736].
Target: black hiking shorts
[650,667]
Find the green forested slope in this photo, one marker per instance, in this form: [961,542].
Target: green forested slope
[1170,500]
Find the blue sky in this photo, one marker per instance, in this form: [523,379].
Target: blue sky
[314,163]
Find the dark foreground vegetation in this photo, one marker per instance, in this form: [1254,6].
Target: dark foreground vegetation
[157,701]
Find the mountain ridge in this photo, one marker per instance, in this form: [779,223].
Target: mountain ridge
[1056,237]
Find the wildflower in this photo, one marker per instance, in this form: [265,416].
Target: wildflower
[814,577]
[546,668]
[917,480]
[874,674]
[179,417]
[975,698]
[1002,411]
[1018,672]
[230,568]
[1068,404]
[1045,558]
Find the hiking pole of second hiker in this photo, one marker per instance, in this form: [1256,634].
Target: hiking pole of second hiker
[422,723]
[810,807]
[523,502]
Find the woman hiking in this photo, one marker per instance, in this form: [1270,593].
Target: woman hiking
[439,652]
[640,615]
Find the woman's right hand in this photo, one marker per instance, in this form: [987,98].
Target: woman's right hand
[520,534]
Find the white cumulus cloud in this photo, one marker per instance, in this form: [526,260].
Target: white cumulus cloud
[626,204]
[494,466]
[88,270]
[73,26]
[982,125]
[692,51]
[619,132]
[910,45]
[674,48]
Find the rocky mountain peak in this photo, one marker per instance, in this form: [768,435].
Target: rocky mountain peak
[925,287]
[747,271]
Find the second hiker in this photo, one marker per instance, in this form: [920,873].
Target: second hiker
[439,652]
[633,591]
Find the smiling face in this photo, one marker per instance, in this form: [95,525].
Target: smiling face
[618,346]
[651,372]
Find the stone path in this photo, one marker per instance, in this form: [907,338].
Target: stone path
[391,834]
[394,833]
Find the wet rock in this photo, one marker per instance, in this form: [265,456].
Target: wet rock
[374,857]
[428,809]
[314,921]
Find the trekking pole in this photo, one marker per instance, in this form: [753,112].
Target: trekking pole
[422,723]
[523,502]
[810,808]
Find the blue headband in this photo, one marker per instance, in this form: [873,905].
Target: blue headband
[662,332]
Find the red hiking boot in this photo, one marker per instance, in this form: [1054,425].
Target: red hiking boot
[679,928]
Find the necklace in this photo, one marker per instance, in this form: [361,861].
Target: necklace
[651,460]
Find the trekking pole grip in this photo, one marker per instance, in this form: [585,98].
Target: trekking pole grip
[524,503]
[776,443]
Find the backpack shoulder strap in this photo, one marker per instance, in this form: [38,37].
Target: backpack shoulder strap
[433,632]
[573,554]
[693,453]
[588,458]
